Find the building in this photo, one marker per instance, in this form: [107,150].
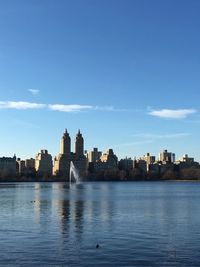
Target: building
[26,167]
[147,160]
[30,163]
[61,167]
[21,166]
[7,166]
[186,162]
[126,164]
[166,156]
[43,163]
[186,159]
[107,161]
[94,155]
[141,164]
[78,158]
[110,158]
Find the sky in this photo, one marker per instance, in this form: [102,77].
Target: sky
[124,72]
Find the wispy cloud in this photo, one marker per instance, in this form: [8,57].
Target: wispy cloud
[25,124]
[20,105]
[161,136]
[79,108]
[104,108]
[136,143]
[34,91]
[69,108]
[148,138]
[172,113]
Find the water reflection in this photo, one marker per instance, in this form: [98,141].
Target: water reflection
[42,203]
[136,224]
[65,213]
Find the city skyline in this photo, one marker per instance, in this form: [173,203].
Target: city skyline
[70,148]
[126,74]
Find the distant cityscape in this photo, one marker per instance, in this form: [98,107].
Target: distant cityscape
[95,165]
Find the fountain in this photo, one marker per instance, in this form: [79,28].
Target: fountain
[73,174]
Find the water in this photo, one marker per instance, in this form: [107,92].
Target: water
[73,174]
[135,224]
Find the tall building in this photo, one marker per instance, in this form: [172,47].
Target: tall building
[78,158]
[21,166]
[43,163]
[94,155]
[110,158]
[186,159]
[65,144]
[61,166]
[166,156]
[30,163]
[79,145]
[126,164]
[62,161]
[148,159]
[107,161]
[7,166]
[26,167]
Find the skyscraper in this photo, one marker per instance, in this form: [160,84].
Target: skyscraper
[65,144]
[61,166]
[43,163]
[79,145]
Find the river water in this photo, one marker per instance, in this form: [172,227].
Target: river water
[134,224]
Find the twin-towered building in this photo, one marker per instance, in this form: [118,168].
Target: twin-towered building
[61,166]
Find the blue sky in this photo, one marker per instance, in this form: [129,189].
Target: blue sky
[125,72]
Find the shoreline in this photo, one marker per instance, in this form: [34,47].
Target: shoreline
[99,181]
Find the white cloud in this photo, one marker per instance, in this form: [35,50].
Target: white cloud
[172,113]
[73,108]
[78,108]
[69,108]
[34,91]
[20,105]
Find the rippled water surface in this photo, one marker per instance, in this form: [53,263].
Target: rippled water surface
[135,224]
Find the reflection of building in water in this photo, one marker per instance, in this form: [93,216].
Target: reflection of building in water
[36,200]
[7,166]
[78,215]
[70,214]
[42,202]
[61,166]
[62,214]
